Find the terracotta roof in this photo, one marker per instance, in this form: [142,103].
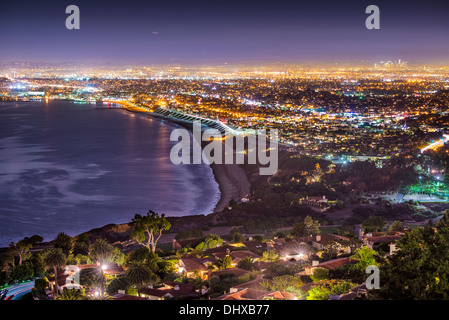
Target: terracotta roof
[242,254]
[219,255]
[219,249]
[282,295]
[329,237]
[384,239]
[245,294]
[193,263]
[237,255]
[253,284]
[384,233]
[333,264]
[255,294]
[262,265]
[208,259]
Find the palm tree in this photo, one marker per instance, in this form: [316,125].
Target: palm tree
[139,274]
[365,258]
[270,256]
[54,259]
[70,294]
[396,226]
[63,241]
[247,264]
[104,253]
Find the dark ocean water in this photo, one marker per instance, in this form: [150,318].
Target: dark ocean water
[68,167]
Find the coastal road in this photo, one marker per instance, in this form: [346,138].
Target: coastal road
[436,144]
[16,291]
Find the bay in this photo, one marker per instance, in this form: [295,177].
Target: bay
[69,167]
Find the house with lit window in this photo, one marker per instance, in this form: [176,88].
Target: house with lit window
[329,265]
[318,204]
[192,267]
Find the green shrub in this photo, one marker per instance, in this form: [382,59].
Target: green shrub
[326,288]
[131,291]
[22,272]
[318,293]
[247,277]
[319,274]
[41,284]
[211,241]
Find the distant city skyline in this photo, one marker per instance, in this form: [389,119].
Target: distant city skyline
[218,32]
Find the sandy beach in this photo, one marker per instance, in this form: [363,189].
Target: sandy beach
[232,182]
[231,178]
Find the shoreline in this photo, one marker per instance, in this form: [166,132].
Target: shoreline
[232,180]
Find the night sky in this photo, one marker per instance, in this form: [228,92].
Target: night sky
[215,32]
